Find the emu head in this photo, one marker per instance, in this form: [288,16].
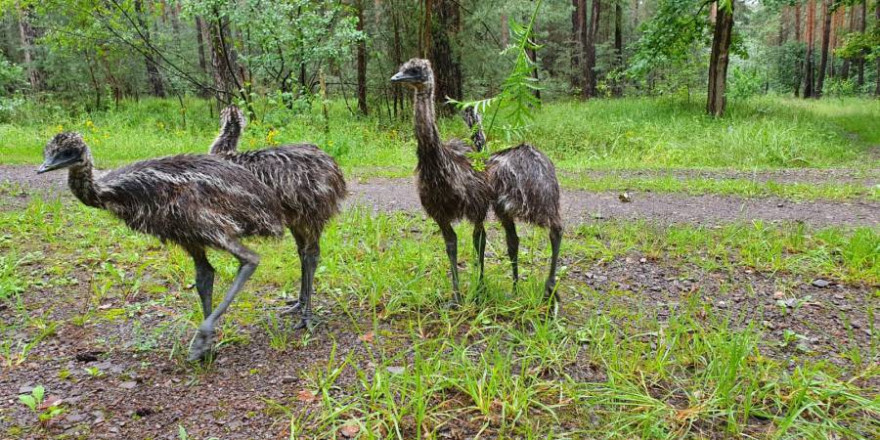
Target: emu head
[65,150]
[415,73]
[232,116]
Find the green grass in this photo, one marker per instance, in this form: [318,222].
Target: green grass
[496,365]
[626,133]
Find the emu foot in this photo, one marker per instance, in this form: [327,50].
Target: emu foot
[309,323]
[202,345]
[293,306]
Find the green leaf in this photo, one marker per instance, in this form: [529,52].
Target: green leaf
[29,401]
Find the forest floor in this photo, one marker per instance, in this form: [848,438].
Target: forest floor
[700,315]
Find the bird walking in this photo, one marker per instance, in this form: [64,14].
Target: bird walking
[196,201]
[308,184]
[450,189]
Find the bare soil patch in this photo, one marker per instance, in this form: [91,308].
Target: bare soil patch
[386,195]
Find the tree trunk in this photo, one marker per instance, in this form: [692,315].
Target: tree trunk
[153,75]
[860,61]
[844,70]
[361,62]
[798,68]
[618,46]
[533,55]
[590,79]
[719,59]
[577,18]
[876,23]
[505,31]
[808,63]
[446,63]
[397,53]
[200,43]
[28,35]
[826,40]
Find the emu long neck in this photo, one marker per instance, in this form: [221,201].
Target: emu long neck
[427,133]
[227,140]
[82,183]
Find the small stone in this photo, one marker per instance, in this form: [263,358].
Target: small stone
[129,384]
[722,304]
[778,294]
[25,389]
[769,325]
[289,379]
[839,296]
[856,324]
[821,283]
[624,197]
[779,205]
[643,260]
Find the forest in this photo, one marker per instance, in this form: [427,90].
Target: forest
[439,219]
[94,54]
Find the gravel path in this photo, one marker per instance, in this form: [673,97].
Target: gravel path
[383,195]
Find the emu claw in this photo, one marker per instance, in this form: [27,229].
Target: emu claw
[308,323]
[201,346]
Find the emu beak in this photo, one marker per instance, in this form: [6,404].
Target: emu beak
[404,78]
[53,164]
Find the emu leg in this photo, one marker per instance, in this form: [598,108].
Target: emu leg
[295,305]
[550,287]
[512,246]
[309,256]
[204,278]
[452,252]
[480,246]
[248,262]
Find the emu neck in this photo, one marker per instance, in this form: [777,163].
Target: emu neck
[227,140]
[82,183]
[427,133]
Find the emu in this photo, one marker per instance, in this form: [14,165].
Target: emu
[524,183]
[194,201]
[449,187]
[521,180]
[308,184]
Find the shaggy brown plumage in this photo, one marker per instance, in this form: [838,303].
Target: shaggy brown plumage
[306,181]
[194,201]
[525,187]
[449,187]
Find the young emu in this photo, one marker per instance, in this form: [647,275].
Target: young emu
[307,182]
[194,201]
[524,183]
[449,188]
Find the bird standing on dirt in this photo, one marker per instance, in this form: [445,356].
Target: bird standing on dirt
[194,201]
[307,183]
[449,187]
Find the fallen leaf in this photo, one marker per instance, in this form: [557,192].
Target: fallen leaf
[366,337]
[306,396]
[49,402]
[395,370]
[349,431]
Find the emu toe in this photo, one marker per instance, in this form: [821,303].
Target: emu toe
[293,306]
[309,323]
[201,346]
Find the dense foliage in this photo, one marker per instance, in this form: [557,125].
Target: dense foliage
[95,52]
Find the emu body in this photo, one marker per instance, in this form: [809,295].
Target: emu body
[524,186]
[449,187]
[307,183]
[194,201]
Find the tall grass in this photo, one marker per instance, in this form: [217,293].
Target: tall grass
[767,132]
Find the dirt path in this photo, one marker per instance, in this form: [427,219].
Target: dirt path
[866,177]
[385,195]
